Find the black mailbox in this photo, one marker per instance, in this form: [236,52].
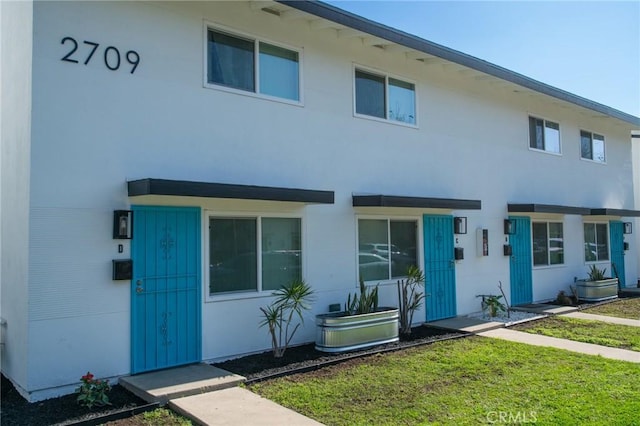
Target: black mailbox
[458,253]
[122,269]
[508,250]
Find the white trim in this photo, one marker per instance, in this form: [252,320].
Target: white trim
[388,218]
[596,222]
[604,141]
[209,25]
[545,119]
[548,264]
[258,216]
[386,75]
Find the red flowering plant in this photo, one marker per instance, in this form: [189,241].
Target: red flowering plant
[93,392]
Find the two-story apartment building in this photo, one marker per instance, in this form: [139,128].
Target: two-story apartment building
[226,148]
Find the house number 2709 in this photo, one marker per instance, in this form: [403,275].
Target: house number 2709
[111,55]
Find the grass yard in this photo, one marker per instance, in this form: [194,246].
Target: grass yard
[159,416]
[623,308]
[466,381]
[596,332]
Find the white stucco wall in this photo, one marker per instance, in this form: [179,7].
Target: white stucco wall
[94,129]
[16,19]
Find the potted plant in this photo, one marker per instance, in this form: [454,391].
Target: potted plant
[597,286]
[362,324]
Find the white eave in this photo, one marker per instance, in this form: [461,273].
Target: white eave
[322,16]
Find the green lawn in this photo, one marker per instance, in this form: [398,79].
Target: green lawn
[623,308]
[596,332]
[466,381]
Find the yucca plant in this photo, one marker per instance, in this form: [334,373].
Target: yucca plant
[366,303]
[596,274]
[409,297]
[290,301]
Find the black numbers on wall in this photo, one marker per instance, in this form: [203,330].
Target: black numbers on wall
[111,55]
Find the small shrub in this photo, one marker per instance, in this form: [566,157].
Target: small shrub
[366,303]
[409,297]
[93,392]
[290,300]
[596,274]
[493,305]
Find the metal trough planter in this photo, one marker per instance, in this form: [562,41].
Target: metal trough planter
[341,332]
[595,291]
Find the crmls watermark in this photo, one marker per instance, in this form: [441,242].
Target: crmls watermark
[512,417]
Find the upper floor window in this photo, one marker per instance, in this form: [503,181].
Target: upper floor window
[251,65]
[592,146]
[548,243]
[596,242]
[385,97]
[544,135]
[386,248]
[253,253]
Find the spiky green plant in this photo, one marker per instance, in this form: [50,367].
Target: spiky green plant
[596,274]
[366,303]
[291,300]
[409,297]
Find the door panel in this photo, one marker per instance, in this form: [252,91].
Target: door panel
[521,263]
[165,290]
[440,273]
[616,240]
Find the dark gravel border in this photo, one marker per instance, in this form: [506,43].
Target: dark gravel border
[300,359]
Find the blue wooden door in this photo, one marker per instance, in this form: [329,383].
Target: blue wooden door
[521,262]
[165,290]
[439,267]
[616,240]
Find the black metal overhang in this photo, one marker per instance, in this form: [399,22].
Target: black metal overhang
[547,208]
[415,202]
[582,211]
[615,212]
[183,188]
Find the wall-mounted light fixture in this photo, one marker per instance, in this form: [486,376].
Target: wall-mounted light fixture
[459,225]
[122,224]
[625,246]
[507,249]
[509,227]
[627,228]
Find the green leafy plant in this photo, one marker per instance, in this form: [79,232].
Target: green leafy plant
[93,392]
[409,297]
[366,303]
[492,304]
[290,301]
[596,274]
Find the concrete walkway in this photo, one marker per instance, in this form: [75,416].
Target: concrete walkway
[210,396]
[569,345]
[237,406]
[604,318]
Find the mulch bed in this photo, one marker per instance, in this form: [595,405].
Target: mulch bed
[304,358]
[15,410]
[59,411]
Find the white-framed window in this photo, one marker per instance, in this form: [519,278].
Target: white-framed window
[253,253]
[596,242]
[548,243]
[544,135]
[386,248]
[592,146]
[384,97]
[244,63]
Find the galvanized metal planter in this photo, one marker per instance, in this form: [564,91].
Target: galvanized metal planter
[595,291]
[341,332]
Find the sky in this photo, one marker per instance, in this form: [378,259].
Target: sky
[588,48]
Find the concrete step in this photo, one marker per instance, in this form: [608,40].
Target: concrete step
[163,385]
[544,309]
[465,324]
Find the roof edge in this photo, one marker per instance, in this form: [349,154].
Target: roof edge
[357,22]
